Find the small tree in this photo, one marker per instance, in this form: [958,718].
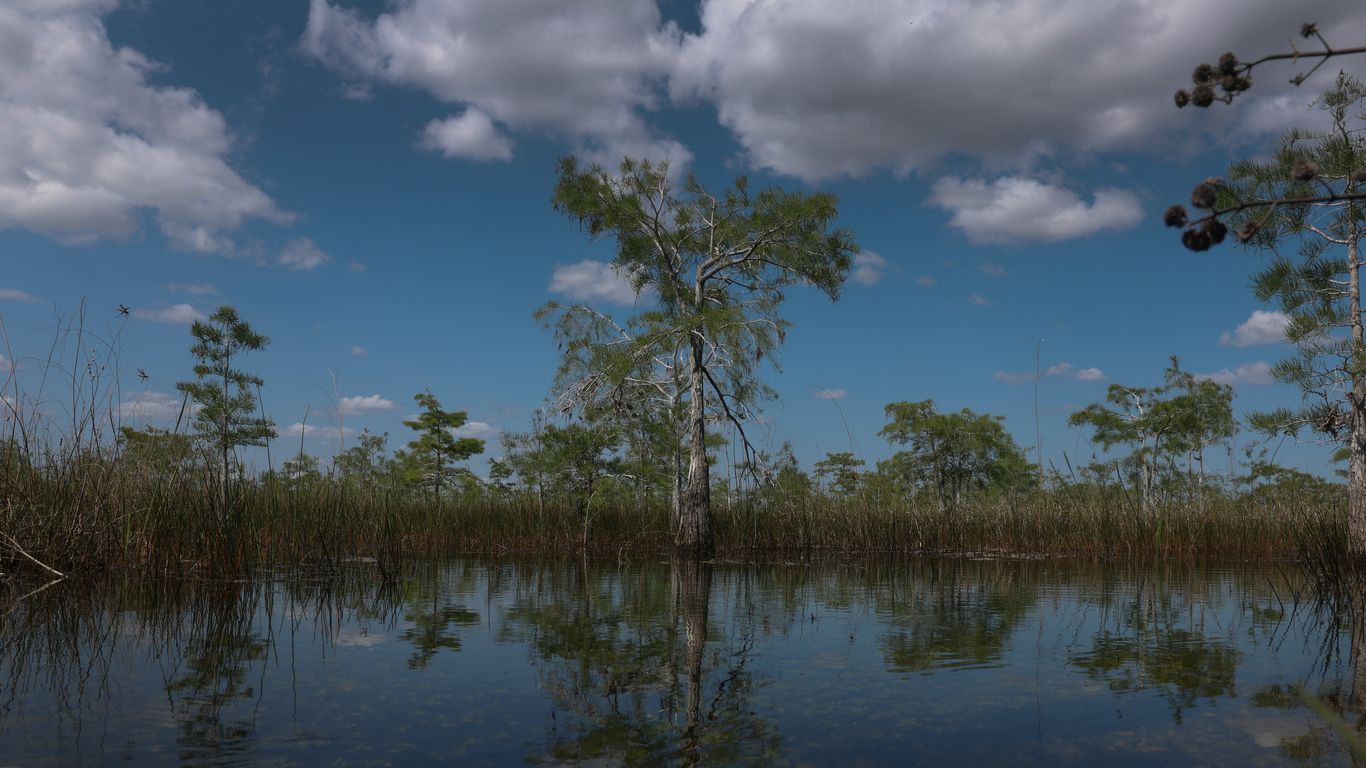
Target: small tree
[952,452]
[364,464]
[156,453]
[430,459]
[225,396]
[840,471]
[1178,418]
[580,456]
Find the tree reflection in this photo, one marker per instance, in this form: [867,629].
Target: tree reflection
[636,669]
[953,614]
[1154,641]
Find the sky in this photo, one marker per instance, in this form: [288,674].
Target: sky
[369,184]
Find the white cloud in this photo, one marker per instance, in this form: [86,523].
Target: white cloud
[478,429]
[365,403]
[471,135]
[590,280]
[90,146]
[14,294]
[156,406]
[1015,209]
[302,255]
[978,300]
[1261,328]
[1065,370]
[179,314]
[868,268]
[831,394]
[585,71]
[924,281]
[818,89]
[194,289]
[1248,373]
[356,266]
[299,429]
[359,351]
[993,270]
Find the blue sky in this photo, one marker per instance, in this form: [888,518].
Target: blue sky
[369,184]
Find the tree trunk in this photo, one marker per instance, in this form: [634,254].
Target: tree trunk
[226,445]
[1356,463]
[694,536]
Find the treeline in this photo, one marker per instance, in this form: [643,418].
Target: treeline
[181,498]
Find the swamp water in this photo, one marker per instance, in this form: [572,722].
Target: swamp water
[466,662]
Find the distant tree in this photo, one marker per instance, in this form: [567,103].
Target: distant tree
[716,268]
[364,463]
[227,416]
[952,452]
[500,476]
[156,452]
[429,461]
[1178,418]
[301,472]
[840,471]
[580,456]
[1206,413]
[526,456]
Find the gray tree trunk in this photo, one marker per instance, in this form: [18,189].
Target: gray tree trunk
[694,536]
[1356,462]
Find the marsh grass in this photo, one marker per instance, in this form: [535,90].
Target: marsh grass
[101,514]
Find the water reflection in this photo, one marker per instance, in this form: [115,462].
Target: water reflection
[680,662]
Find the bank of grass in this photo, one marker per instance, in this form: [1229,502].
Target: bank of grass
[99,514]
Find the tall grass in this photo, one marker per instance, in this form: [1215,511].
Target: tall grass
[99,513]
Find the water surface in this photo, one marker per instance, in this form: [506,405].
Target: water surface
[469,662]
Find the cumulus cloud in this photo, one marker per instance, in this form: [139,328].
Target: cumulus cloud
[193,289]
[1014,209]
[471,135]
[359,351]
[590,280]
[924,281]
[365,404]
[14,294]
[1262,327]
[831,394]
[1248,373]
[868,268]
[90,146]
[1065,370]
[993,270]
[156,406]
[302,255]
[178,314]
[977,300]
[586,71]
[818,89]
[300,429]
[479,429]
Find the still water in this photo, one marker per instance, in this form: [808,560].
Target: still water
[469,662]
